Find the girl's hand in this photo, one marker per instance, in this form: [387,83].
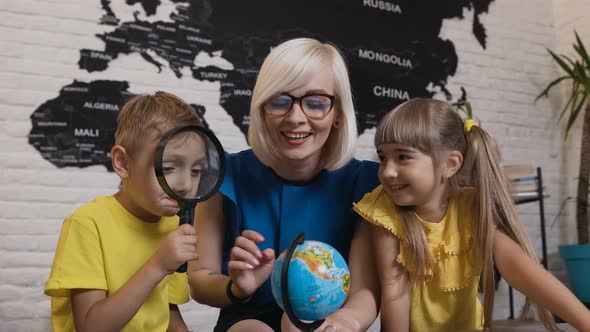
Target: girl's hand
[180,246]
[341,321]
[249,267]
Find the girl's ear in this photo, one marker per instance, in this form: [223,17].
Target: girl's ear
[120,160]
[452,164]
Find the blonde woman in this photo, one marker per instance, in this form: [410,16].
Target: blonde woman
[299,176]
[439,236]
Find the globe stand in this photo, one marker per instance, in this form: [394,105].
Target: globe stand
[304,326]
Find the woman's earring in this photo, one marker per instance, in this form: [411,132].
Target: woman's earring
[336,124]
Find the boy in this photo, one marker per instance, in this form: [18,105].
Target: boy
[115,260]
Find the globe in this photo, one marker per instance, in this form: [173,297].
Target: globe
[318,280]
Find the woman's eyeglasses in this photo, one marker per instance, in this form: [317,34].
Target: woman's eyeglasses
[314,106]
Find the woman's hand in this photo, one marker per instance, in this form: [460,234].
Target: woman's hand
[249,267]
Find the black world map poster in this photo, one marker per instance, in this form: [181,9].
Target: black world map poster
[393,49]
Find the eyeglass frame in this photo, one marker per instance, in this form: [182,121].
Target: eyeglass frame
[298,100]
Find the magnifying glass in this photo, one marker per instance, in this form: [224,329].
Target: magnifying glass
[189,165]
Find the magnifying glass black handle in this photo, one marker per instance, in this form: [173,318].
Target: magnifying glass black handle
[186,216]
[182,268]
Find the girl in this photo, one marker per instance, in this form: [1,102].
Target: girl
[444,216]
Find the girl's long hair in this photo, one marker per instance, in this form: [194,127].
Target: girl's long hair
[434,127]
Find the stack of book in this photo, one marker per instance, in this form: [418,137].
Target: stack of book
[524,184]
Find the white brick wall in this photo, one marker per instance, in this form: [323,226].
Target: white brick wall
[39,44]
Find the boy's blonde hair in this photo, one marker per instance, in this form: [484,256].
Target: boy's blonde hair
[435,128]
[144,115]
[289,66]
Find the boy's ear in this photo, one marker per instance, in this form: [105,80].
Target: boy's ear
[453,163]
[120,160]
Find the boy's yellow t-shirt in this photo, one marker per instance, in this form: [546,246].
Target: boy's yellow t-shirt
[448,300]
[101,246]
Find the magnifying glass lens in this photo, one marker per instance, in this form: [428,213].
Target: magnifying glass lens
[191,164]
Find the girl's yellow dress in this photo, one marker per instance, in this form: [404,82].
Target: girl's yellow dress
[448,300]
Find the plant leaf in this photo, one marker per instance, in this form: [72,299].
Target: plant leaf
[581,49]
[562,63]
[572,97]
[575,111]
[575,94]
[572,62]
[584,74]
[581,74]
[545,92]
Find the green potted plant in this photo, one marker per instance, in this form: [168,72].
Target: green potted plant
[577,72]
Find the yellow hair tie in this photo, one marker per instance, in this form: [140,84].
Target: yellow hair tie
[468,124]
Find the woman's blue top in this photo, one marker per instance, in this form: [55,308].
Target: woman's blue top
[256,198]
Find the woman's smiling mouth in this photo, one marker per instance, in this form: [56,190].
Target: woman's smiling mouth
[296,134]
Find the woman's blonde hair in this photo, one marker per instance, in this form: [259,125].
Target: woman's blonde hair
[435,128]
[144,115]
[287,67]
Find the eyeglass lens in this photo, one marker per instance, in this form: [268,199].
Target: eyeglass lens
[312,105]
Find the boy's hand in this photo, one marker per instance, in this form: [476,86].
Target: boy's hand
[248,266]
[180,246]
